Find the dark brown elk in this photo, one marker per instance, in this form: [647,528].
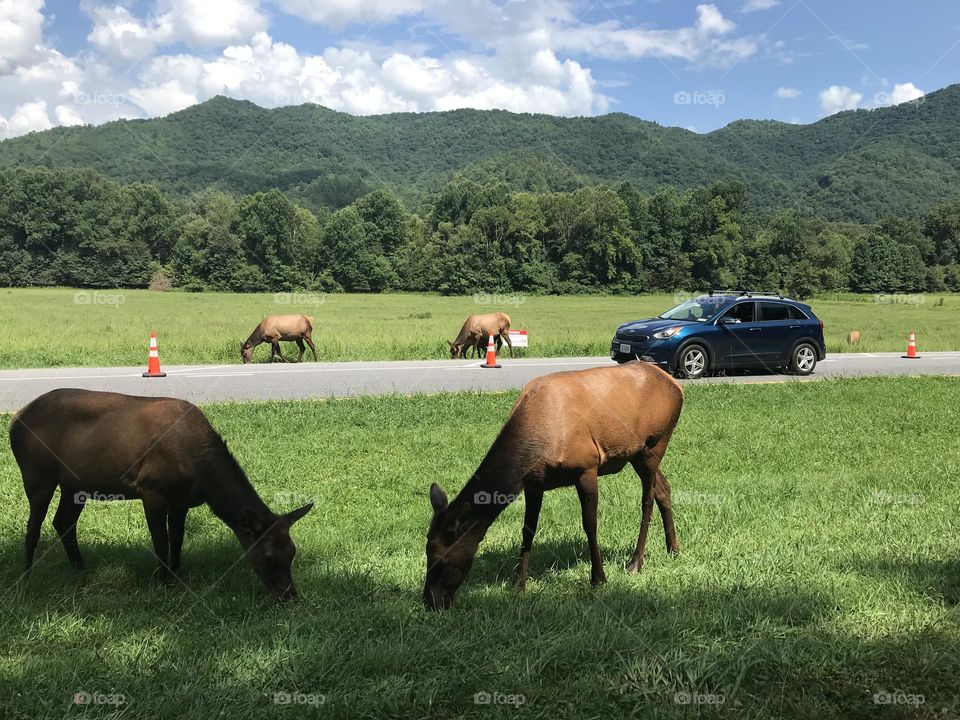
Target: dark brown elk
[273,329]
[477,330]
[565,429]
[162,451]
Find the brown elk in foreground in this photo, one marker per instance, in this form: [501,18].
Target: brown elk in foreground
[476,332]
[273,329]
[565,429]
[162,451]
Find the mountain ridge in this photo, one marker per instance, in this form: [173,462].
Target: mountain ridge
[858,165]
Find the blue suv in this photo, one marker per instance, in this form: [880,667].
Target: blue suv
[726,330]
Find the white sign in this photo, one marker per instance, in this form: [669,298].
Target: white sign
[518,338]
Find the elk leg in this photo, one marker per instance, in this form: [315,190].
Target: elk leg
[647,476]
[533,500]
[176,518]
[275,344]
[302,349]
[506,337]
[65,523]
[39,497]
[309,341]
[587,490]
[156,512]
[662,494]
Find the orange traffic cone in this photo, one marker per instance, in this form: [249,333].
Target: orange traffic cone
[911,347]
[153,360]
[491,355]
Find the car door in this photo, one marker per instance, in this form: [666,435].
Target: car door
[739,334]
[779,331]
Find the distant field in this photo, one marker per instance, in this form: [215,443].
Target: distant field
[64,327]
[819,575]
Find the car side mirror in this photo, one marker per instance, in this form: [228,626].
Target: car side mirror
[729,321]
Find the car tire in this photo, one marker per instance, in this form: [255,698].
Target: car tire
[693,361]
[803,359]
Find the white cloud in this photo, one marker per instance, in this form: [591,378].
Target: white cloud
[273,73]
[204,23]
[901,93]
[342,12]
[756,5]
[26,118]
[21,30]
[837,98]
[701,43]
[788,93]
[66,115]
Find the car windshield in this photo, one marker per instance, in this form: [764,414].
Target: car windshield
[699,309]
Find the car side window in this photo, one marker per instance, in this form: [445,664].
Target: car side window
[797,314]
[774,312]
[742,312]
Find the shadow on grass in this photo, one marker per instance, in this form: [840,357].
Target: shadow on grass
[363,643]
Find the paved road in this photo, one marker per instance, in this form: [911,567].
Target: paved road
[213,383]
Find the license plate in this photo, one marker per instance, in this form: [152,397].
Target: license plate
[624,348]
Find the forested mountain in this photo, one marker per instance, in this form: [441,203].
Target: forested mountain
[857,166]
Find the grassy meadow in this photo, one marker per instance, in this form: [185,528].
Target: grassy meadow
[53,327]
[819,575]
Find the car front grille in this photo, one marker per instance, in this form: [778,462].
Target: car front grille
[632,338]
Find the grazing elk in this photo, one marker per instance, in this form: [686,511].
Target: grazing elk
[565,429]
[853,337]
[162,451]
[273,329]
[476,332]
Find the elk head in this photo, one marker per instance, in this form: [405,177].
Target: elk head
[452,542]
[270,550]
[246,352]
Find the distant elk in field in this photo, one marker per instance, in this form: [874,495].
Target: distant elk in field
[273,329]
[565,429]
[853,337]
[476,332]
[162,451]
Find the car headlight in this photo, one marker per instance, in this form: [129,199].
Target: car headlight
[668,333]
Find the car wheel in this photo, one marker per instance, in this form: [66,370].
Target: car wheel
[803,360]
[692,362]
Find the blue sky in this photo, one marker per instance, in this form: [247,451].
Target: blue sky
[699,65]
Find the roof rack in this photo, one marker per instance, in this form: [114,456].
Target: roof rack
[746,293]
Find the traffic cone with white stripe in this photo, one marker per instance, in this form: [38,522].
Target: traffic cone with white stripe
[911,347]
[491,355]
[153,360]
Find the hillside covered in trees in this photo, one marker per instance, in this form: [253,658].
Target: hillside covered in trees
[858,166]
[78,228]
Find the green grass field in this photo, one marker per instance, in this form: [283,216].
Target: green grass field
[820,573]
[64,327]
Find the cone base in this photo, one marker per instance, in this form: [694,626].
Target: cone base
[149,374]
[910,357]
[496,365]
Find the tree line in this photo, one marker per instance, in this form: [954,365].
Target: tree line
[76,228]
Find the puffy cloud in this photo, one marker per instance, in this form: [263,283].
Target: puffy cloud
[273,73]
[901,93]
[788,93]
[21,31]
[26,118]
[67,115]
[119,33]
[837,98]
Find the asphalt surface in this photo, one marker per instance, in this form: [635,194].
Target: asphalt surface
[222,383]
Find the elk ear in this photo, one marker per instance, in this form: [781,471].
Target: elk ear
[438,498]
[294,515]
